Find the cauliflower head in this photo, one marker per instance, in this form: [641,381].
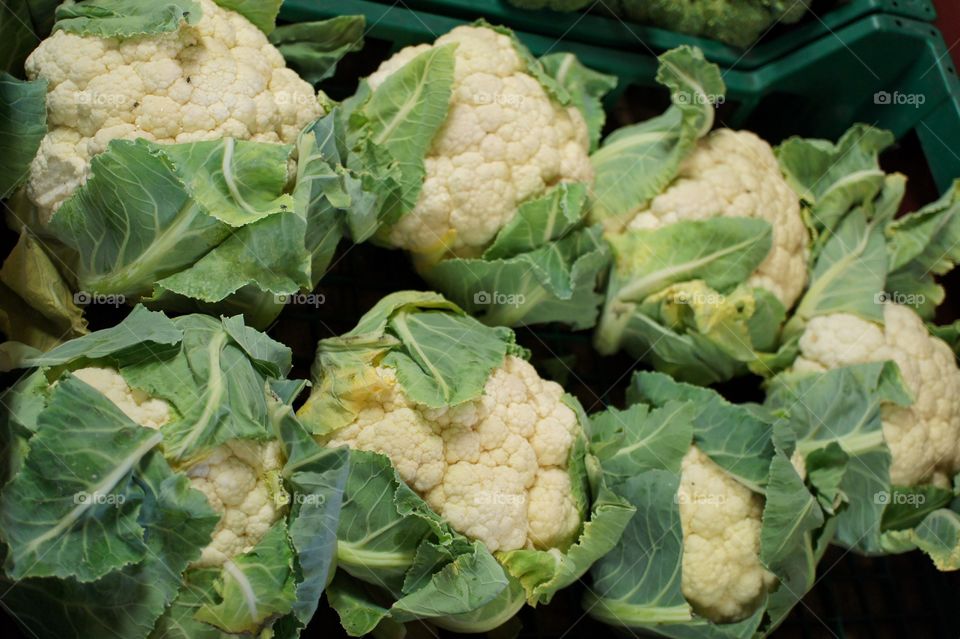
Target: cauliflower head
[721,518]
[240,479]
[924,438]
[504,140]
[218,78]
[495,468]
[735,174]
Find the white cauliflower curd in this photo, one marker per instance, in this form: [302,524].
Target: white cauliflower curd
[495,468]
[240,478]
[722,578]
[735,174]
[505,140]
[924,438]
[236,479]
[217,78]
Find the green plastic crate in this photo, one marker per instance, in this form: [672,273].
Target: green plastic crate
[817,90]
[595,26]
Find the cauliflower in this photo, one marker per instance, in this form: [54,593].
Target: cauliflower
[135,404]
[723,578]
[735,174]
[240,478]
[217,78]
[495,468]
[241,482]
[924,438]
[504,141]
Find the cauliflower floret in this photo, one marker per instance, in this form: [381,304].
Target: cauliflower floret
[135,404]
[504,141]
[735,174]
[240,478]
[924,438]
[495,468]
[217,78]
[723,578]
[553,515]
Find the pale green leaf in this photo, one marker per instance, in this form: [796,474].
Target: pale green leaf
[833,178]
[169,204]
[639,439]
[556,282]
[540,221]
[790,513]
[921,245]
[910,505]
[843,407]
[125,18]
[268,254]
[313,49]
[262,13]
[585,87]
[407,110]
[722,251]
[23,123]
[730,434]
[72,511]
[848,276]
[938,535]
[38,306]
[218,392]
[359,614]
[446,357]
[638,582]
[375,542]
[177,524]
[139,327]
[637,162]
[254,586]
[472,580]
